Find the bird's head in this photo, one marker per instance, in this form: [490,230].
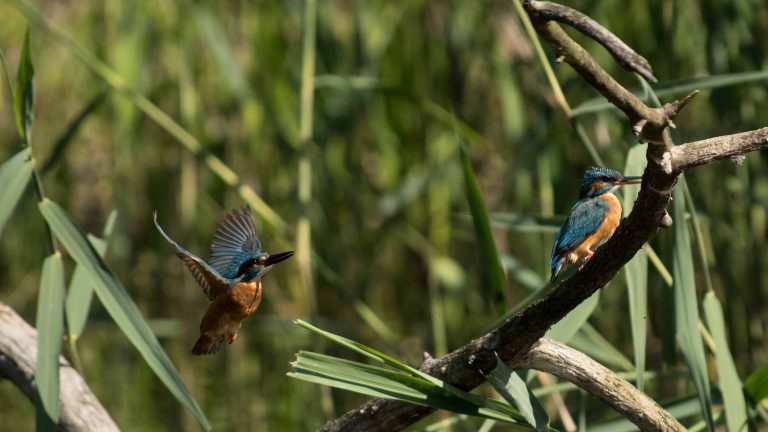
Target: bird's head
[598,180]
[258,266]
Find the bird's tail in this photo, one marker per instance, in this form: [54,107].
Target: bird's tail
[206,344]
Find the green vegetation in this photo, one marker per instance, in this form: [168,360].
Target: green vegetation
[378,145]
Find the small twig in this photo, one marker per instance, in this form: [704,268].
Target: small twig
[624,55]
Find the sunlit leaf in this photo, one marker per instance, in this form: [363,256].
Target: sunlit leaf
[636,270]
[757,384]
[512,388]
[382,382]
[14,176]
[119,304]
[564,330]
[686,305]
[484,403]
[49,323]
[80,292]
[24,97]
[490,266]
[730,384]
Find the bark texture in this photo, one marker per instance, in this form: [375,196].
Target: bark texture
[79,409]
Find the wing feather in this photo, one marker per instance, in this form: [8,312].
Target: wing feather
[235,241]
[585,218]
[207,277]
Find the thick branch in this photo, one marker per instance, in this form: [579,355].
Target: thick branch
[79,408]
[571,365]
[626,56]
[709,150]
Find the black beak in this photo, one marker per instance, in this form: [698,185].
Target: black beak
[278,257]
[631,180]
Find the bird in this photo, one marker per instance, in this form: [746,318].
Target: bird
[592,220]
[232,280]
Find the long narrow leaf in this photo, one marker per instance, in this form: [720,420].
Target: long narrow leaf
[391,362]
[756,385]
[14,176]
[50,315]
[686,305]
[636,269]
[24,97]
[512,388]
[80,292]
[382,382]
[730,384]
[119,305]
[564,330]
[489,257]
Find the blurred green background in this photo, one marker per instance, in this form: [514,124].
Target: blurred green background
[395,263]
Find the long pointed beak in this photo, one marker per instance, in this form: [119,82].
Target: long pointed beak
[630,180]
[278,257]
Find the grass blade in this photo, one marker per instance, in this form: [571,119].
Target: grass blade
[490,265]
[564,330]
[371,353]
[80,292]
[14,176]
[50,315]
[382,382]
[24,97]
[730,384]
[686,305]
[512,388]
[756,385]
[636,270]
[119,305]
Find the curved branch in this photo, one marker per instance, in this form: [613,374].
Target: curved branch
[79,408]
[569,364]
[628,58]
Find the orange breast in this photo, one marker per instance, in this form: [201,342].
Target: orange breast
[226,311]
[606,230]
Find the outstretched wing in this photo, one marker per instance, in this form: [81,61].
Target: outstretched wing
[234,242]
[208,278]
[585,218]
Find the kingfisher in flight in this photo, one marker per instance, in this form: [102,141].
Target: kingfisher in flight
[592,220]
[232,281]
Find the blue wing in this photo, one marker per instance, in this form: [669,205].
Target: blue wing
[208,278]
[585,218]
[234,242]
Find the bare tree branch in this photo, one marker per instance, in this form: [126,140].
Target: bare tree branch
[515,338]
[702,152]
[626,56]
[569,364]
[80,410]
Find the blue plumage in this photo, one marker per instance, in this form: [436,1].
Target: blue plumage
[592,220]
[585,218]
[235,243]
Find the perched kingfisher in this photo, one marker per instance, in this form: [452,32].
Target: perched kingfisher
[592,220]
[232,281]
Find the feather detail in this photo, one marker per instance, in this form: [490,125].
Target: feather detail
[235,241]
[208,278]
